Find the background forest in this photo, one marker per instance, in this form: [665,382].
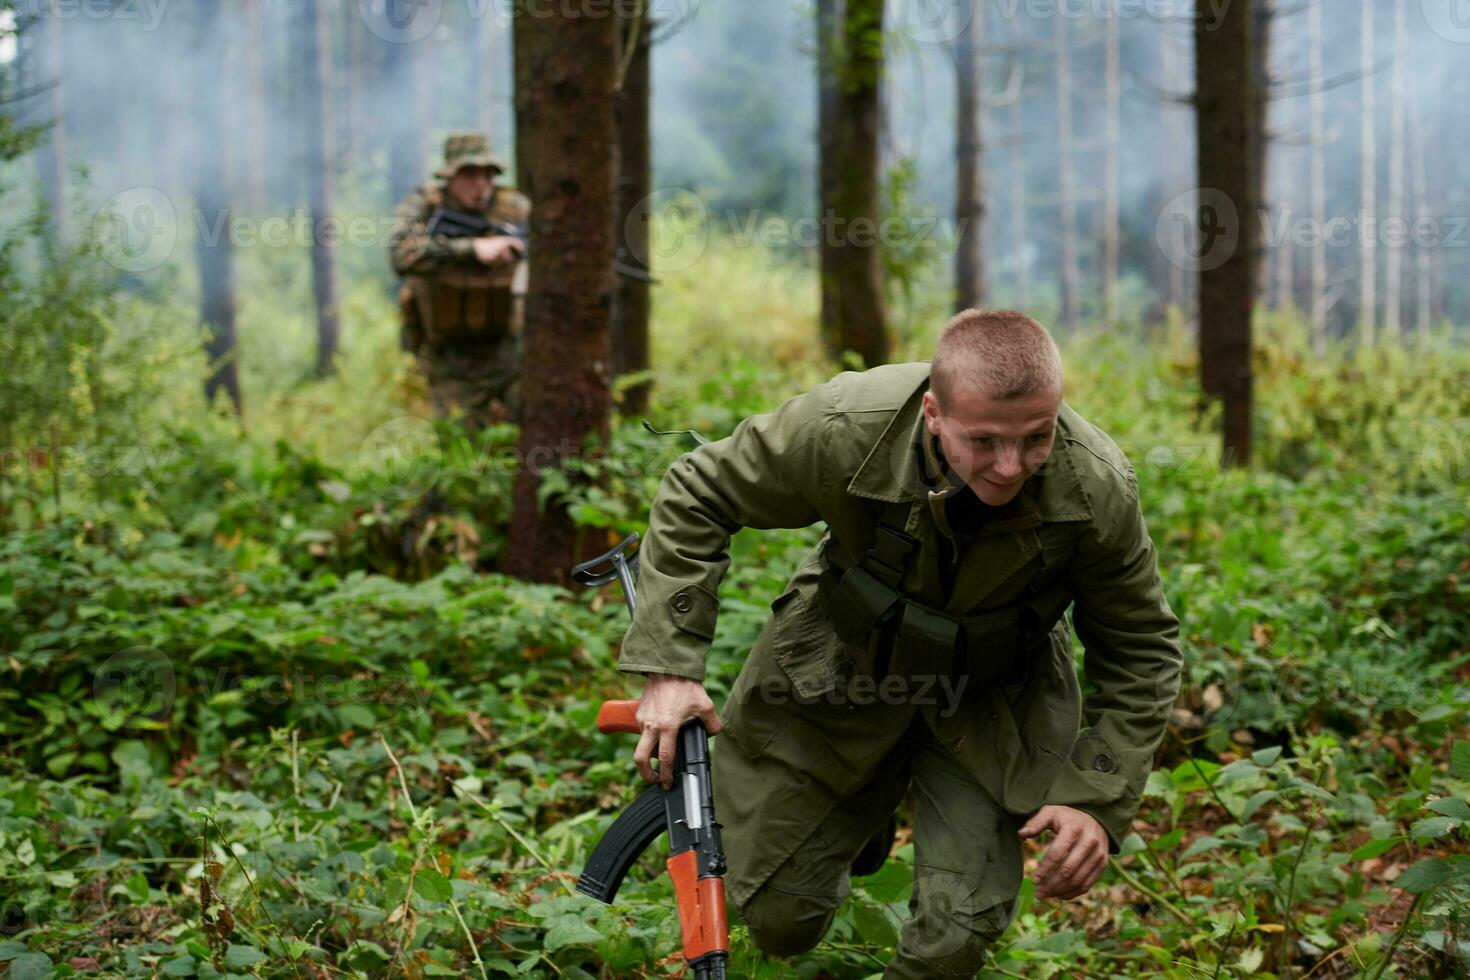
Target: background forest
[293,682]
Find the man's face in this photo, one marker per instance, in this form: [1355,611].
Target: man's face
[993,446]
[471,187]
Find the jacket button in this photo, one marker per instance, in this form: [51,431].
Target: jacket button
[682,603]
[1102,762]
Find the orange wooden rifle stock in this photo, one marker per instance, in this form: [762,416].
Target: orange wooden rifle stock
[686,811]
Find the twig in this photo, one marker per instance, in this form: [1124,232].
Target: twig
[474,949]
[1398,936]
[1210,785]
[254,890]
[1154,895]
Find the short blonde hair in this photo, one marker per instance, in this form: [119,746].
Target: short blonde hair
[1002,353]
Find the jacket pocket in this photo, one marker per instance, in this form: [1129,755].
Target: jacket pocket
[804,644]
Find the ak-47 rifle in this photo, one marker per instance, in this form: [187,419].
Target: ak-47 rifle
[686,811]
[463,224]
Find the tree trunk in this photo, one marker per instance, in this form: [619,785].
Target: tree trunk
[1066,194]
[1227,128]
[214,249]
[1422,287]
[1368,232]
[52,160]
[255,144]
[635,182]
[321,162]
[969,199]
[1112,138]
[1261,18]
[851,53]
[1318,303]
[1019,232]
[571,144]
[1394,261]
[521,68]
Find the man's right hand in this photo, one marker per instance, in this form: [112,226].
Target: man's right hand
[497,249]
[667,702]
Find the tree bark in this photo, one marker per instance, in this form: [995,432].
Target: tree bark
[1261,17]
[316,36]
[571,144]
[213,248]
[1394,262]
[969,263]
[850,58]
[1422,276]
[635,182]
[1318,302]
[1066,193]
[1225,95]
[1112,138]
[1368,211]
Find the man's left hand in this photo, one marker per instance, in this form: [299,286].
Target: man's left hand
[1075,858]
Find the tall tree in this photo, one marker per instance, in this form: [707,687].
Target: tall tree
[1262,16]
[1422,276]
[571,143]
[850,59]
[52,160]
[321,167]
[635,182]
[1318,172]
[214,249]
[1066,191]
[1394,261]
[969,197]
[1017,167]
[1112,140]
[255,143]
[1368,163]
[1225,100]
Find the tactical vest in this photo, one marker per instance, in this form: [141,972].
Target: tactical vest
[469,305]
[887,632]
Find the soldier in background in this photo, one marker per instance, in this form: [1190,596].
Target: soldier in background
[459,243]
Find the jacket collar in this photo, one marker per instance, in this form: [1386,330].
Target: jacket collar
[903,466]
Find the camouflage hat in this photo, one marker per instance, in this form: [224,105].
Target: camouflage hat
[467,150]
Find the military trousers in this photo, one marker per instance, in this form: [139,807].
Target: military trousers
[480,380]
[967,857]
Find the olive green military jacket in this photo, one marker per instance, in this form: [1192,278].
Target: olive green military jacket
[414,252]
[837,454]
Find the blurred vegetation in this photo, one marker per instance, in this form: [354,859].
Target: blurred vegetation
[214,634]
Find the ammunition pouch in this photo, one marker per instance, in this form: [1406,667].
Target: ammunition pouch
[886,632]
[464,304]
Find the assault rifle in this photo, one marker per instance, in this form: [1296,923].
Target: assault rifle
[686,811]
[463,224]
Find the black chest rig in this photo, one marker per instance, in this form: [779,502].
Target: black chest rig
[888,633]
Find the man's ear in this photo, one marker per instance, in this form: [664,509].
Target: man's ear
[931,413]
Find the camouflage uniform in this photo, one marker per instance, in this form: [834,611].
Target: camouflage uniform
[462,318]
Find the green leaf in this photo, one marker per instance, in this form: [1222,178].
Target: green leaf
[1266,756]
[1375,847]
[1206,843]
[570,931]
[1425,875]
[355,716]
[30,966]
[1460,760]
[10,949]
[138,888]
[1451,807]
[238,957]
[366,947]
[1432,827]
[179,966]
[1255,802]
[431,886]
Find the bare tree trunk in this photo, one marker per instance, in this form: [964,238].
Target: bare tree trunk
[1019,233]
[635,182]
[572,146]
[521,70]
[1225,79]
[1393,270]
[1262,15]
[1066,194]
[1112,138]
[1318,175]
[969,197]
[1177,173]
[316,36]
[52,160]
[256,143]
[1422,287]
[1368,233]
[214,249]
[850,51]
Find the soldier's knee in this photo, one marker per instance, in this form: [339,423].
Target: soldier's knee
[783,924]
[957,942]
